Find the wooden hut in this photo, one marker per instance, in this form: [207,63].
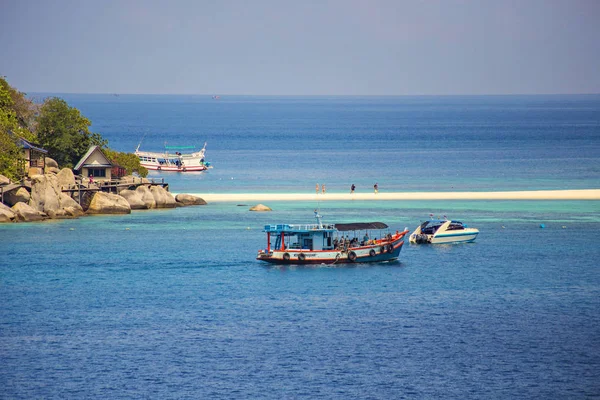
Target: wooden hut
[94,164]
[35,157]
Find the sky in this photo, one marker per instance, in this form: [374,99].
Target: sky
[301,47]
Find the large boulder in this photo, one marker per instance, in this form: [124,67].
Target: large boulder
[45,194]
[66,179]
[146,196]
[50,162]
[20,195]
[260,207]
[134,199]
[108,203]
[4,180]
[189,200]
[6,214]
[25,213]
[163,198]
[70,206]
[51,170]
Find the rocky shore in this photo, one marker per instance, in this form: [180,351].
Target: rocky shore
[56,194]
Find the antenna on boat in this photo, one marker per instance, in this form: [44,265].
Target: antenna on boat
[318,217]
[140,143]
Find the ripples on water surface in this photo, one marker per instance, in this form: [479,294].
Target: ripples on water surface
[172,304]
[176,307]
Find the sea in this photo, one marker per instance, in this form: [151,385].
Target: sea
[172,304]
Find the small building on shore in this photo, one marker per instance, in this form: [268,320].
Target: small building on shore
[35,157]
[94,164]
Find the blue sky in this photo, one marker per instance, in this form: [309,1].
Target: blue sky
[310,47]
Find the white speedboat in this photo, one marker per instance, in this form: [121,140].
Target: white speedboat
[443,231]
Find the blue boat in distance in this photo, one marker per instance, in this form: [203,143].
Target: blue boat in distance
[358,242]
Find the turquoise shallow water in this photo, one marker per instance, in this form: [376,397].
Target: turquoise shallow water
[173,304]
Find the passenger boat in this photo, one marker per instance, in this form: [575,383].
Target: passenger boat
[443,231]
[326,244]
[173,160]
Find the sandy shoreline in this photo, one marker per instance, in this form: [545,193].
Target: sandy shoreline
[583,194]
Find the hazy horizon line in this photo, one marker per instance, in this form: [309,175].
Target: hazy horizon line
[116,94]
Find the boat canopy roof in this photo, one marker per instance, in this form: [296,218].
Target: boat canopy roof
[357,226]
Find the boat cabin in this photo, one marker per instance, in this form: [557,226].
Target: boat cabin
[307,237]
[430,227]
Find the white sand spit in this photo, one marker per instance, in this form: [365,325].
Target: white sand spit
[583,194]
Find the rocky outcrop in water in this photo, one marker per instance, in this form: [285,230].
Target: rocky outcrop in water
[146,196]
[260,207]
[189,200]
[163,198]
[134,198]
[19,195]
[45,195]
[6,214]
[108,203]
[26,213]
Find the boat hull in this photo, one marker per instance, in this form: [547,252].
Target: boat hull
[365,254]
[445,238]
[153,167]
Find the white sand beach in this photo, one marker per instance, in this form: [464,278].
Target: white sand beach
[583,194]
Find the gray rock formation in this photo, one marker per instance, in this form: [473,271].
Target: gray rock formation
[20,195]
[108,203]
[45,194]
[6,214]
[66,179]
[4,180]
[25,213]
[260,207]
[51,170]
[163,198]
[189,200]
[71,207]
[50,162]
[146,196]
[134,198]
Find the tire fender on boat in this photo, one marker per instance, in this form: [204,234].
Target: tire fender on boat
[372,253]
[286,256]
[184,169]
[382,249]
[301,257]
[352,256]
[390,248]
[159,168]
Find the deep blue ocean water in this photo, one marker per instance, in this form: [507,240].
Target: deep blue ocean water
[172,304]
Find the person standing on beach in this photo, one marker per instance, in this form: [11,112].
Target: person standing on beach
[317,189]
[352,189]
[376,188]
[323,188]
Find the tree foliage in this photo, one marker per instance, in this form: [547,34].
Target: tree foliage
[128,161]
[64,132]
[11,155]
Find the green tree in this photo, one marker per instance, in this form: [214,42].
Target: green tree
[64,132]
[128,161]
[11,155]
